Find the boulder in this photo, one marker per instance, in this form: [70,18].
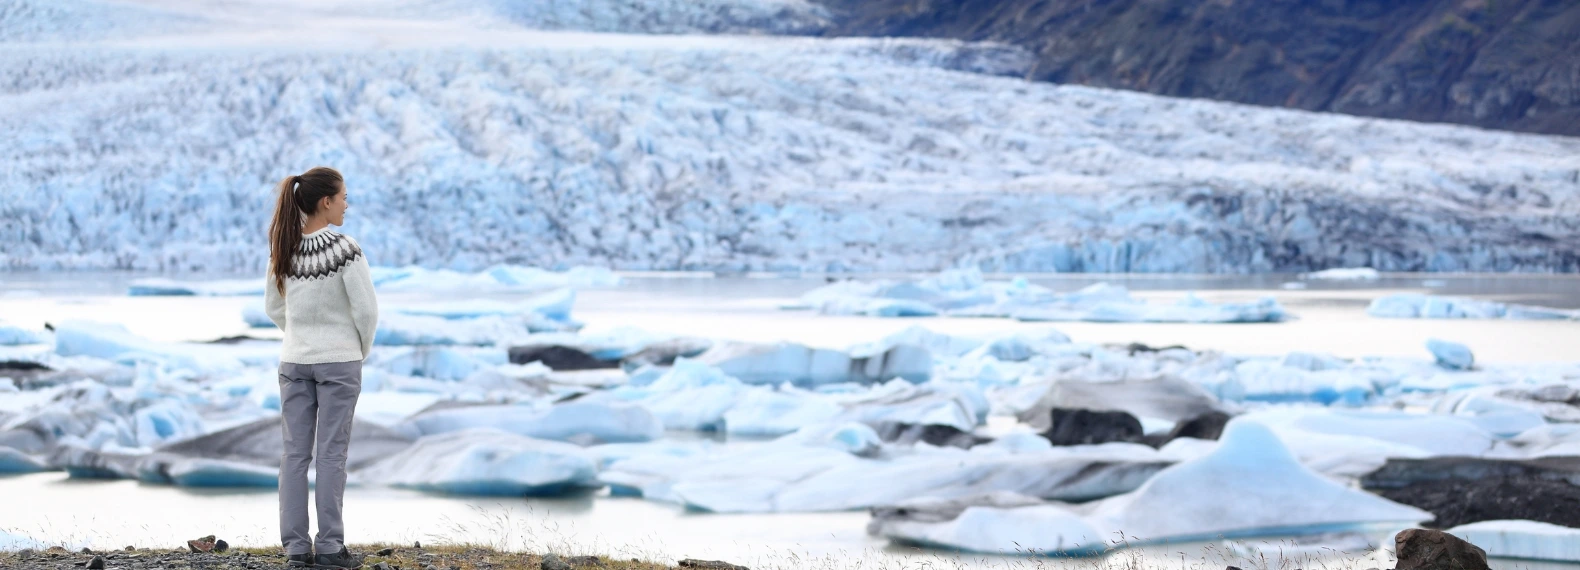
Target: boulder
[1461,490]
[1424,549]
[1085,427]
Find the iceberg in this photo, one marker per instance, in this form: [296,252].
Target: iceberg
[807,366]
[1529,540]
[1345,274]
[1418,306]
[966,293]
[218,288]
[1451,355]
[486,462]
[841,466]
[1249,485]
[14,461]
[12,335]
[581,422]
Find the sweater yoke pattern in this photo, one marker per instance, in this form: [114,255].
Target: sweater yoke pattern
[323,255]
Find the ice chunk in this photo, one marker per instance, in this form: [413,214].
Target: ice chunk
[10,542]
[437,362]
[14,461]
[1014,529]
[111,341]
[1269,493]
[1529,540]
[12,335]
[555,305]
[965,293]
[1345,274]
[217,288]
[1418,306]
[496,279]
[779,411]
[202,472]
[583,422]
[807,471]
[486,462]
[806,366]
[690,396]
[1451,355]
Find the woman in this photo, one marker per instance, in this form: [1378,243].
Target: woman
[319,291]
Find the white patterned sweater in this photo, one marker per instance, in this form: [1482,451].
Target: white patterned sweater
[329,311]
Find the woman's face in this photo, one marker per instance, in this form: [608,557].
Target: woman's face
[334,207]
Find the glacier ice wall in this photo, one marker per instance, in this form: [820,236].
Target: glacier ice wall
[504,144]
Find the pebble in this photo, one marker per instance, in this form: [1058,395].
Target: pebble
[96,564]
[386,552]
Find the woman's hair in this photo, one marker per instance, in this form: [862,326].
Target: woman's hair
[299,197]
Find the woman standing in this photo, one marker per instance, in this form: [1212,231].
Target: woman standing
[320,293]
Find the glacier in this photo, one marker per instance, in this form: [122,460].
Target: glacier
[483,133]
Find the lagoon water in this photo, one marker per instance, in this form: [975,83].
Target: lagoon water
[1331,318]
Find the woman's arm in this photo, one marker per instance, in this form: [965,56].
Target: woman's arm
[273,302]
[364,303]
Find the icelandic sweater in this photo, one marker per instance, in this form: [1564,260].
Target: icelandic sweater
[328,311]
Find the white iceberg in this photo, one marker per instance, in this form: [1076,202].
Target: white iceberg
[1451,355]
[1418,306]
[1249,485]
[808,366]
[966,293]
[1529,540]
[1345,274]
[12,335]
[486,462]
[160,286]
[14,461]
[836,467]
[572,421]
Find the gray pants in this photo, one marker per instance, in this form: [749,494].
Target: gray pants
[321,398]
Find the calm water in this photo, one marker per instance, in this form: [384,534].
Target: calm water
[117,513]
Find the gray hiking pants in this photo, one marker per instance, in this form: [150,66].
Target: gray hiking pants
[315,398]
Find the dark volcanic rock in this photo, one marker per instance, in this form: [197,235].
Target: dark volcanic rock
[1206,426]
[932,434]
[1422,549]
[710,565]
[1462,490]
[559,357]
[1508,65]
[1078,427]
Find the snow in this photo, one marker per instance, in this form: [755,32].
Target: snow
[1451,355]
[1529,540]
[471,141]
[486,462]
[1345,274]
[1418,306]
[966,293]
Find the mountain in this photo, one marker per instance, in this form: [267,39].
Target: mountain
[1502,64]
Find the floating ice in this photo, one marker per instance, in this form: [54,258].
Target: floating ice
[160,286]
[807,366]
[572,421]
[12,335]
[966,293]
[496,279]
[830,468]
[14,461]
[1345,274]
[1529,540]
[1250,485]
[1451,355]
[486,462]
[1418,306]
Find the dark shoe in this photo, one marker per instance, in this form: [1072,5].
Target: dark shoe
[342,559]
[299,560]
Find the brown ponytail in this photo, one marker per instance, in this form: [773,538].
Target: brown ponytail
[298,198]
